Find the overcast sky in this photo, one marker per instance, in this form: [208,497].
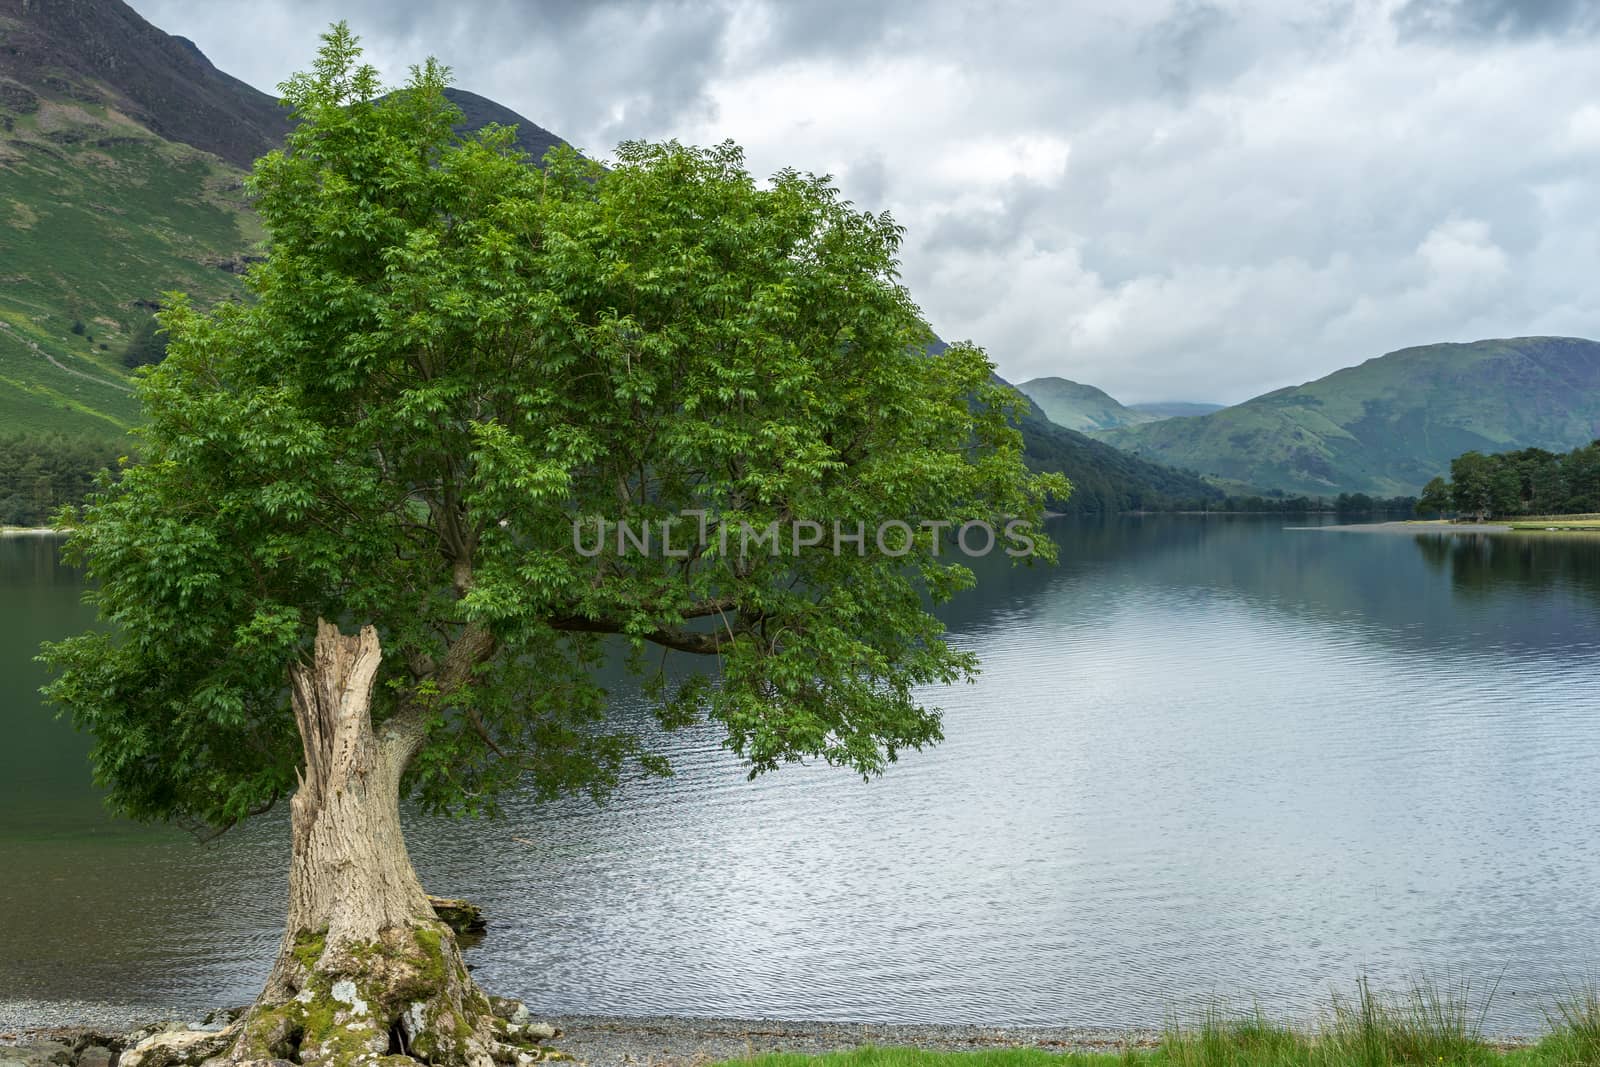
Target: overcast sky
[1170,199]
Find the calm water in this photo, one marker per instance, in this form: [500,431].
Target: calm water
[1206,758]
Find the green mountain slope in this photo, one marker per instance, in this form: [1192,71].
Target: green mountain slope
[98,217]
[1387,426]
[1175,409]
[1079,407]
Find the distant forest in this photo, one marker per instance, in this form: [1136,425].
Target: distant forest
[39,473]
[1530,481]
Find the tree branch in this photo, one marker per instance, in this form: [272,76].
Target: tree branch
[701,644]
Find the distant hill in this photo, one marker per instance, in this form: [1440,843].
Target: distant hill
[1387,426]
[1080,407]
[1176,409]
[1106,481]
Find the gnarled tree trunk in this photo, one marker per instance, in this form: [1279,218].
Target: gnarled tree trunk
[366,969]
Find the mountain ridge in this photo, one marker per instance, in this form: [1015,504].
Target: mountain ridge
[1078,406]
[1390,423]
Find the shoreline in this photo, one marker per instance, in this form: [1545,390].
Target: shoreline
[31,531]
[615,1041]
[1411,526]
[692,1041]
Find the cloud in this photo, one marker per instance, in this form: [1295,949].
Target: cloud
[1497,18]
[1171,199]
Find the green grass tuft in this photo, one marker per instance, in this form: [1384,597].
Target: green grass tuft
[1429,1025]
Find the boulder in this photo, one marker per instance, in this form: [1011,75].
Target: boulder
[178,1047]
[462,916]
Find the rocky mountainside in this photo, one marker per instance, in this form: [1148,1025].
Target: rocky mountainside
[102,53]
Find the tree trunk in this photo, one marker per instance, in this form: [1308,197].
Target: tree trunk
[365,969]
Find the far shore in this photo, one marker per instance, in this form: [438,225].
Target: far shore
[32,531]
[1412,526]
[1546,527]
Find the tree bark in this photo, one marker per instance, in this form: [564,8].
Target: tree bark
[365,969]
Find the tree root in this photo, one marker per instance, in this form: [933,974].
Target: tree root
[406,999]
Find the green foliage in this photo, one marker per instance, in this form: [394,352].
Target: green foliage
[1388,425]
[1529,481]
[1426,1026]
[40,474]
[452,357]
[147,346]
[1436,499]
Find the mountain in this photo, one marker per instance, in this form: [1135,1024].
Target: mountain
[100,54]
[122,156]
[1175,409]
[478,112]
[1388,425]
[1105,480]
[1079,407]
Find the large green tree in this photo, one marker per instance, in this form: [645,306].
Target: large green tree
[345,570]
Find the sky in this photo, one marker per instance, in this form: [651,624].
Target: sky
[1169,199]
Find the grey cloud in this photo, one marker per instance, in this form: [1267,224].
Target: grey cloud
[1496,18]
[1178,44]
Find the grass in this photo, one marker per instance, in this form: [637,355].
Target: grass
[1524,523]
[98,218]
[1555,522]
[1428,1026]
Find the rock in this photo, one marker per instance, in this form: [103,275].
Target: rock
[222,1018]
[35,1054]
[462,916]
[177,1047]
[15,98]
[96,1056]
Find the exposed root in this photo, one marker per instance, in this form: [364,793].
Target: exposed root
[406,998]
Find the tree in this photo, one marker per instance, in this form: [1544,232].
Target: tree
[147,345]
[1436,498]
[1472,484]
[348,566]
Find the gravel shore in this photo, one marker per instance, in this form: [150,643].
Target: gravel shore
[606,1042]
[612,1042]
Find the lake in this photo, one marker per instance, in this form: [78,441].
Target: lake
[1207,757]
